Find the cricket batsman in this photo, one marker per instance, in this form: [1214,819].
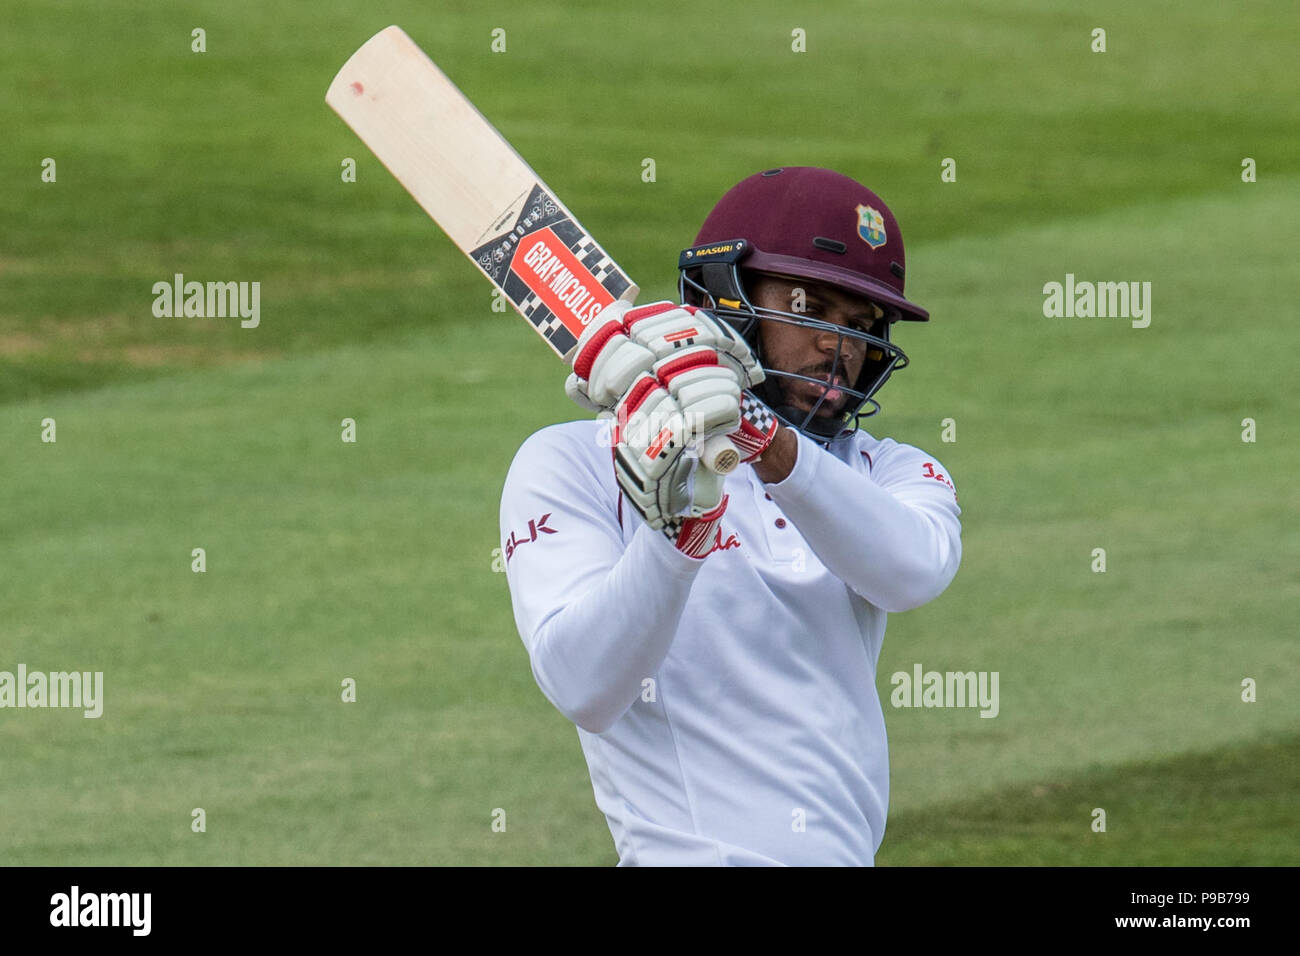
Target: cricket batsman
[715,639]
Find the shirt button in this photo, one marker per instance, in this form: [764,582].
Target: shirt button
[767,496]
[780,522]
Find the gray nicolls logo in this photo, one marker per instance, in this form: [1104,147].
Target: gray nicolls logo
[76,908]
[662,444]
[683,339]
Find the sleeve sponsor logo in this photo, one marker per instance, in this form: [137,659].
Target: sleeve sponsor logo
[929,472]
[536,526]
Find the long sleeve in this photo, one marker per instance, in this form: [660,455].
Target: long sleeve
[596,616]
[892,535]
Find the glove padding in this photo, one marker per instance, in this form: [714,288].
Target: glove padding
[666,329]
[689,398]
[623,342]
[607,360]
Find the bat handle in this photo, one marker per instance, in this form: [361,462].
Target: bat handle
[719,455]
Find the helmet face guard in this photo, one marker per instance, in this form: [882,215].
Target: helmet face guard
[710,276]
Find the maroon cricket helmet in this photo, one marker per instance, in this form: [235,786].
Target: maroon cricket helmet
[817,224]
[801,222]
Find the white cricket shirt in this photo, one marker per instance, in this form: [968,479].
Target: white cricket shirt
[727,706]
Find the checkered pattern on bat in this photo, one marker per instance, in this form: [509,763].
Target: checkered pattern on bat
[537,312]
[546,322]
[594,258]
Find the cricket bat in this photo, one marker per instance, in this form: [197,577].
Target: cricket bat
[484,196]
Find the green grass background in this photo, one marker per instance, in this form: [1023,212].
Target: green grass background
[373,560]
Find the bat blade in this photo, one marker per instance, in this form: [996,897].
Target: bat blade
[482,193]
[490,202]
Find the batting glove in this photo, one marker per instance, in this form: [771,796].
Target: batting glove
[690,397]
[666,329]
[696,537]
[607,360]
[622,342]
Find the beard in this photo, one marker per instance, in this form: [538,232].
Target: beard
[793,399]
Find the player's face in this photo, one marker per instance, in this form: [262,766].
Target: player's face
[812,352]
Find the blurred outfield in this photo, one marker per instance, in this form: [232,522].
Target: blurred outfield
[373,561]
